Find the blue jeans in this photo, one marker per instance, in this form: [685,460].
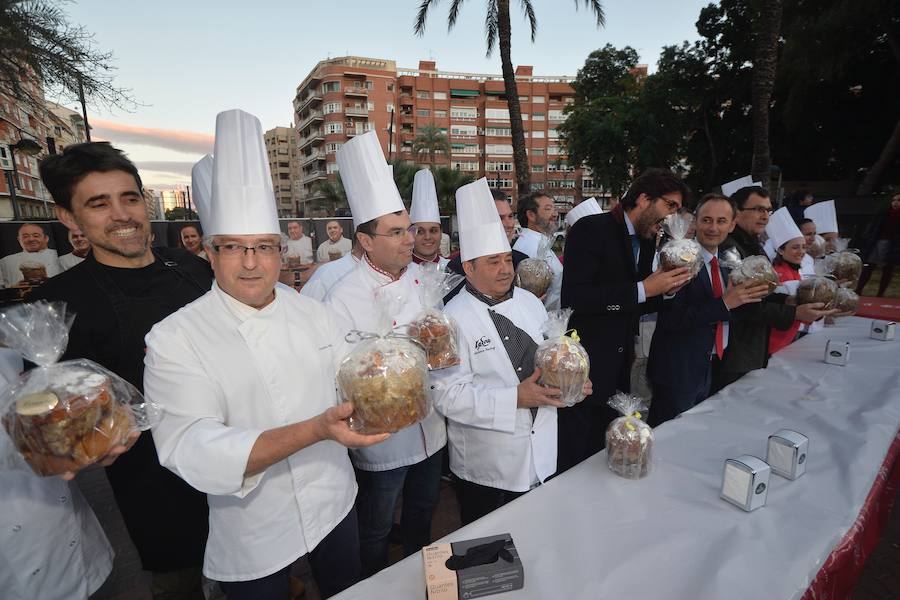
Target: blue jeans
[378,494]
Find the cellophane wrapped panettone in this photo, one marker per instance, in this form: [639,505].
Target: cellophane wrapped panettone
[757,269]
[680,251]
[845,264]
[563,361]
[384,376]
[62,417]
[534,274]
[818,248]
[436,331]
[846,300]
[820,287]
[629,440]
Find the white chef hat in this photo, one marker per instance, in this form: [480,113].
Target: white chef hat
[480,231]
[781,228]
[732,186]
[368,181]
[824,216]
[243,202]
[586,208]
[424,208]
[201,186]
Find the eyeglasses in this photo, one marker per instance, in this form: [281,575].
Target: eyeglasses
[762,210]
[231,249]
[397,233]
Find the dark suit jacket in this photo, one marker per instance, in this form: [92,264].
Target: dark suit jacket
[748,340]
[600,284]
[685,334]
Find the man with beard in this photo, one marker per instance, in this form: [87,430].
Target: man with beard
[80,249]
[118,293]
[538,217]
[607,280]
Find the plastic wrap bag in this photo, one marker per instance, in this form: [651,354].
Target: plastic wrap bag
[629,440]
[436,331]
[62,417]
[846,300]
[534,274]
[384,376]
[820,287]
[845,264]
[680,251]
[563,362]
[817,248]
[757,269]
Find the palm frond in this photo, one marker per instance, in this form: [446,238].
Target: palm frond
[491,25]
[453,14]
[596,7]
[421,15]
[532,19]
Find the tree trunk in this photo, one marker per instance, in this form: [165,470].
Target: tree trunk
[713,160]
[764,64]
[887,157]
[520,159]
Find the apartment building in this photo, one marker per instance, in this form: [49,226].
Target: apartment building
[344,97]
[281,149]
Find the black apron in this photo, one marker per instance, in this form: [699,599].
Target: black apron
[168,520]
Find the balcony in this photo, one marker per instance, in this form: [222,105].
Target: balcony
[358,131]
[308,101]
[314,137]
[313,176]
[312,117]
[356,93]
[353,111]
[305,160]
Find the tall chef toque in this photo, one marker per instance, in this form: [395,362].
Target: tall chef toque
[201,186]
[367,179]
[781,228]
[824,216]
[424,207]
[480,230]
[243,202]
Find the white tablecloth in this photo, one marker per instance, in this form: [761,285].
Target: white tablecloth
[591,535]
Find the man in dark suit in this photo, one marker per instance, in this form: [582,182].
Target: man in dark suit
[692,329]
[607,280]
[749,347]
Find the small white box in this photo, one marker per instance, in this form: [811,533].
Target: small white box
[837,353]
[787,453]
[745,482]
[882,330]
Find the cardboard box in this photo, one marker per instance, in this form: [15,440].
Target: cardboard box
[837,353]
[787,453]
[503,574]
[745,482]
[883,330]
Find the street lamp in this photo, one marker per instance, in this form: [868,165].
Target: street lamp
[28,147]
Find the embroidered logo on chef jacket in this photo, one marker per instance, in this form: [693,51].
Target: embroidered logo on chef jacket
[483,344]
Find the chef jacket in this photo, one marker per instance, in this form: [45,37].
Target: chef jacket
[352,299]
[492,442]
[326,275]
[224,373]
[528,242]
[9,265]
[323,253]
[302,248]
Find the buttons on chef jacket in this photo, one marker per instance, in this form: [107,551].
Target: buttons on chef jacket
[613,307]
[72,543]
[518,368]
[505,338]
[17,528]
[63,499]
[620,349]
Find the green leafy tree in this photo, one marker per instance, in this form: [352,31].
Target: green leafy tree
[180,213]
[404,174]
[430,140]
[498,32]
[446,181]
[332,197]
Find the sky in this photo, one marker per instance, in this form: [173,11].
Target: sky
[186,61]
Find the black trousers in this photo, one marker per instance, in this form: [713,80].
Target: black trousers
[721,378]
[582,432]
[335,567]
[475,501]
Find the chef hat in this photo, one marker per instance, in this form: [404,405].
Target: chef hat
[480,230]
[741,182]
[243,201]
[769,249]
[424,208]
[201,185]
[781,228]
[368,181]
[587,207]
[824,216]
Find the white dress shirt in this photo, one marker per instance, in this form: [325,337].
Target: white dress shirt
[641,294]
[353,301]
[224,373]
[493,442]
[707,257]
[528,243]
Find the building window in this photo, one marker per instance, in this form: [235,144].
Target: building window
[537,151]
[500,183]
[390,87]
[440,95]
[464,165]
[422,94]
[588,184]
[440,114]
[537,168]
[332,107]
[463,130]
[498,166]
[537,99]
[369,85]
[498,131]
[423,112]
[524,116]
[389,107]
[557,115]
[538,116]
[523,98]
[553,150]
[332,147]
[537,134]
[331,167]
[334,127]
[370,105]
[331,86]
[496,114]
[463,112]
[498,148]
[552,134]
[464,149]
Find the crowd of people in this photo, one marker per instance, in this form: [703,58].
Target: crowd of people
[253,464]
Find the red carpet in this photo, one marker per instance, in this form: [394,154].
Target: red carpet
[879,308]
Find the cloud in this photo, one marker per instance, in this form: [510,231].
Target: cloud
[165,174]
[179,141]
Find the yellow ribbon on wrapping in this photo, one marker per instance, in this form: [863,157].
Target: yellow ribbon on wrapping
[636,414]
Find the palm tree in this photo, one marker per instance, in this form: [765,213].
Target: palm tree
[404,174]
[497,28]
[765,61]
[430,140]
[446,181]
[332,197]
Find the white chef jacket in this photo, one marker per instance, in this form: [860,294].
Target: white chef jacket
[67,261]
[326,275]
[224,373]
[51,545]
[9,265]
[492,442]
[343,244]
[301,248]
[352,299]
[527,243]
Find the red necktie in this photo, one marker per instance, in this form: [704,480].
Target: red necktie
[716,277]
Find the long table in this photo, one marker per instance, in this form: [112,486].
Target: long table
[591,535]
